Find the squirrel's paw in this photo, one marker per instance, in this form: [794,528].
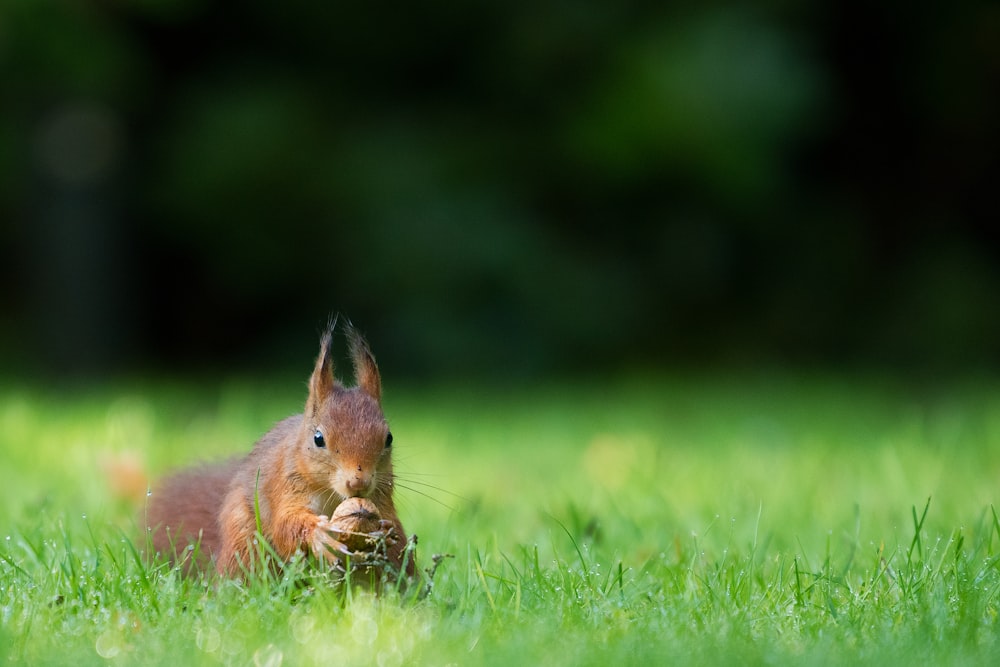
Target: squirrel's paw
[328,542]
[336,546]
[386,531]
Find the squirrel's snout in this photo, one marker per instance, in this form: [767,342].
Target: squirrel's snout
[358,484]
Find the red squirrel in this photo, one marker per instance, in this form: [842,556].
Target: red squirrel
[294,479]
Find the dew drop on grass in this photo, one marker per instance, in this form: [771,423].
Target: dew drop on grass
[208,640]
[108,644]
[303,628]
[391,657]
[268,656]
[364,630]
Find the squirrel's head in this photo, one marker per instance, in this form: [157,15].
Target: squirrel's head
[345,433]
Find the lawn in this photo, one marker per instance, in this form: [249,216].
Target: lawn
[751,518]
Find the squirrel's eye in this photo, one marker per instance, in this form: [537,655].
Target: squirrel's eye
[388,440]
[318,439]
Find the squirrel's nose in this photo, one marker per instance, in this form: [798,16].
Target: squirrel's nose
[359,484]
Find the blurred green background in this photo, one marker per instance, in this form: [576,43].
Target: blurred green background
[498,189]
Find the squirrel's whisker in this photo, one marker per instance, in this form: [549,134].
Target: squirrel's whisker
[426,495]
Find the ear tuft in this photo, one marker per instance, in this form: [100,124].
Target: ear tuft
[365,369]
[322,382]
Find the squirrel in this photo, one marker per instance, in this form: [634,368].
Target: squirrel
[292,481]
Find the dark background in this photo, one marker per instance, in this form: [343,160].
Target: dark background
[498,189]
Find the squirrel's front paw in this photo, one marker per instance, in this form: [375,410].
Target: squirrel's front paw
[387,532]
[327,543]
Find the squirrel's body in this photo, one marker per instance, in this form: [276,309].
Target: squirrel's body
[292,481]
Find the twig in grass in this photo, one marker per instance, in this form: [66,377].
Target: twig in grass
[436,561]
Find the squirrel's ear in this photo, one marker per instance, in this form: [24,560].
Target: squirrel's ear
[321,382]
[365,368]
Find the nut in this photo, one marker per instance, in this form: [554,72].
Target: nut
[356,519]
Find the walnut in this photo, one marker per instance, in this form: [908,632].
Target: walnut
[358,522]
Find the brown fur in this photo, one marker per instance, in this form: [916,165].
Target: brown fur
[295,484]
[183,510]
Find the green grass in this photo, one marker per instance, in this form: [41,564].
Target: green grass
[754,519]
